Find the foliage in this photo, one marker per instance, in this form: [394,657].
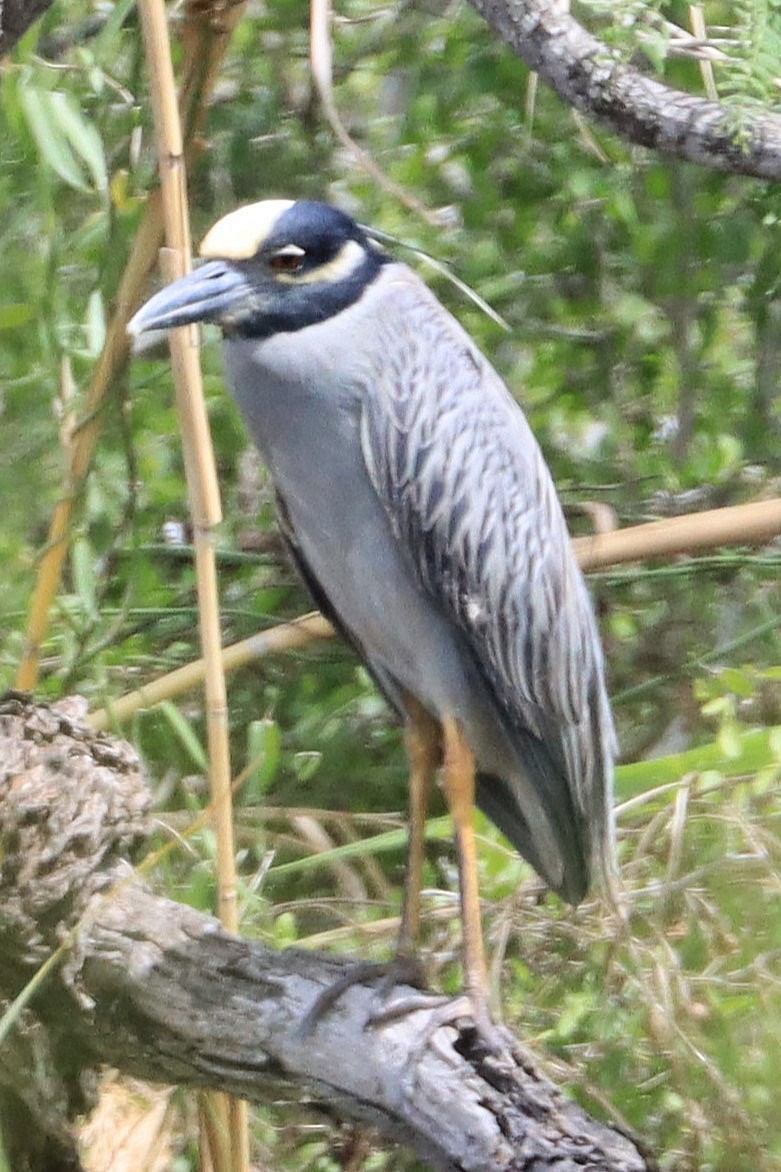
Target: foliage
[642,301]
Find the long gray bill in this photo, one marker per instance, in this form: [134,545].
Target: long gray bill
[203,295]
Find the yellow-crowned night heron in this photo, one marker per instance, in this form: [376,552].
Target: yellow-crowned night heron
[425,522]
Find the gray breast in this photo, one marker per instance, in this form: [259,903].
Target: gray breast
[302,395]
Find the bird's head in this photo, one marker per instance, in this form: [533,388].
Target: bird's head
[270,267]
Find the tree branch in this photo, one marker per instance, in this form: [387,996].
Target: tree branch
[588,75]
[161,991]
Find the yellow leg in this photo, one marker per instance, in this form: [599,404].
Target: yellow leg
[458,777]
[424,753]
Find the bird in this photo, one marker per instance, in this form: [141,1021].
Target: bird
[421,514]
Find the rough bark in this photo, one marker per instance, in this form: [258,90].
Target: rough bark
[16,16]
[161,991]
[588,75]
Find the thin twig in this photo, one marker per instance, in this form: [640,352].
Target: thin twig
[284,637]
[321,61]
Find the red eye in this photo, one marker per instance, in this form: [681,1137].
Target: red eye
[287,262]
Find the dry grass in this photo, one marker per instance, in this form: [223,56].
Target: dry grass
[667,1018]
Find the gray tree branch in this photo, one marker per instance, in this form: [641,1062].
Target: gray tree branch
[588,75]
[161,991]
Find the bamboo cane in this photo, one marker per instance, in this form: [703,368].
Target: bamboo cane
[229,1133]
[749,524]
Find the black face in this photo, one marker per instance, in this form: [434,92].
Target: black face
[335,263]
[314,263]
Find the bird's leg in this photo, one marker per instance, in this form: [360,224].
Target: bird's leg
[458,779]
[424,752]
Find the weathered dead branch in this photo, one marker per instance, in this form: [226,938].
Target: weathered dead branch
[589,76]
[162,991]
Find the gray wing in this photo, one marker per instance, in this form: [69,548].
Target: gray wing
[469,496]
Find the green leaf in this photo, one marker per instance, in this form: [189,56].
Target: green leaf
[756,750]
[185,733]
[774,741]
[264,750]
[82,136]
[306,764]
[95,324]
[285,930]
[14,315]
[718,706]
[105,41]
[738,681]
[53,147]
[83,569]
[436,830]
[729,740]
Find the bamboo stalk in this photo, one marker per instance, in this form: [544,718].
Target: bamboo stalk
[284,637]
[697,22]
[751,524]
[207,37]
[230,1116]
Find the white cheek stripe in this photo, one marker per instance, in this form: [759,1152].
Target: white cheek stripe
[240,234]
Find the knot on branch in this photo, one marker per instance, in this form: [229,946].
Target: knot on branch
[72,801]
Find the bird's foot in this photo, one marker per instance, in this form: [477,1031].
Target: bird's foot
[467,1014]
[404,969]
[477,1036]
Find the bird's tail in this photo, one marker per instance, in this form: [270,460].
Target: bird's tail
[550,833]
